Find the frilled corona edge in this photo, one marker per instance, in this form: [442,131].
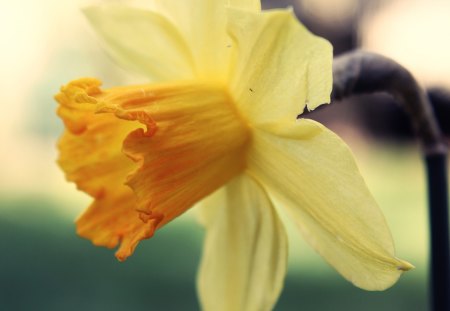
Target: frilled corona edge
[178,158]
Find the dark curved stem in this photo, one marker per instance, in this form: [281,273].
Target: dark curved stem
[361,73]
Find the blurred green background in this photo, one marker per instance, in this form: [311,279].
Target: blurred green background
[45,266]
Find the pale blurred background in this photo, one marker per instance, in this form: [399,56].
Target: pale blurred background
[45,266]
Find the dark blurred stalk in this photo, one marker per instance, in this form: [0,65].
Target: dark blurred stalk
[361,73]
[436,165]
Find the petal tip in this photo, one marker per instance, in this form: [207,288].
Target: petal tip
[405,266]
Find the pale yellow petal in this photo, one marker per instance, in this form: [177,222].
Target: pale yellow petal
[244,257]
[203,25]
[143,41]
[313,174]
[91,157]
[251,5]
[279,66]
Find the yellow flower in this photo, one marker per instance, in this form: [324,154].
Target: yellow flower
[219,124]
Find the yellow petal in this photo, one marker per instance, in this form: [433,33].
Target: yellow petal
[143,41]
[312,173]
[194,143]
[244,257]
[203,25]
[90,156]
[279,65]
[251,5]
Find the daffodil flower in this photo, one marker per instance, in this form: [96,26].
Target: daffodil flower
[217,123]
